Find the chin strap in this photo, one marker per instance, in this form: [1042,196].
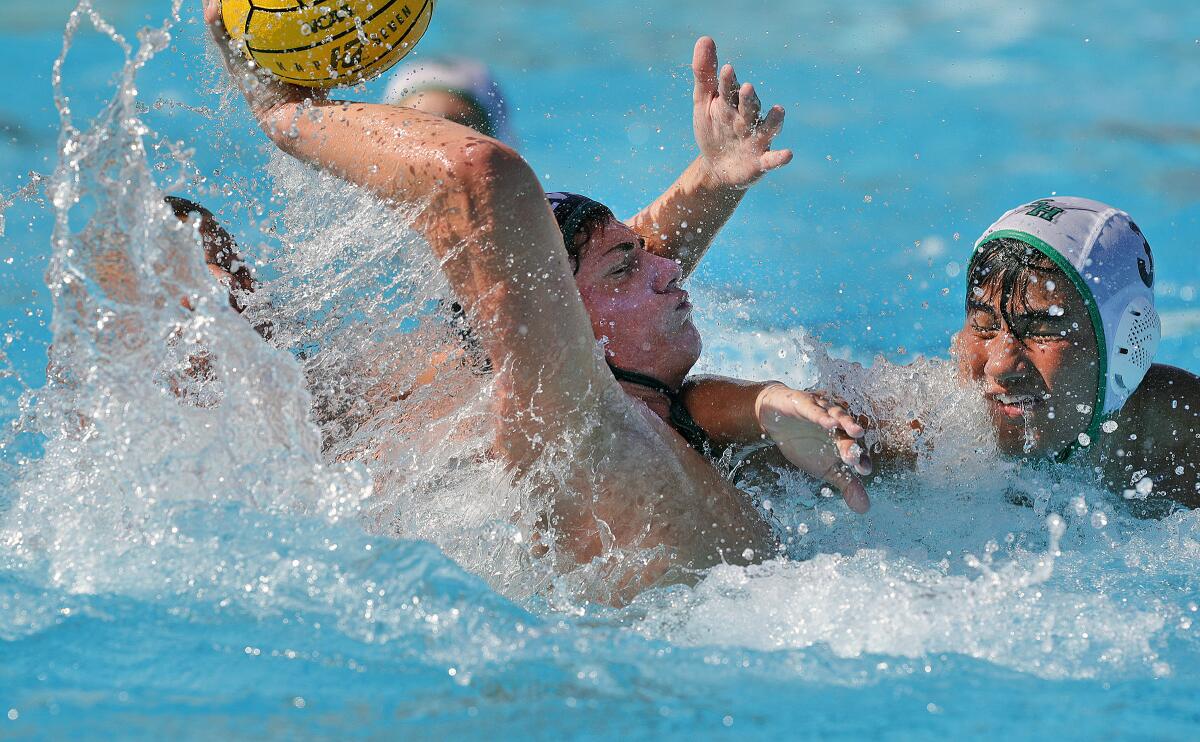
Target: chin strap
[681,420]
[1093,434]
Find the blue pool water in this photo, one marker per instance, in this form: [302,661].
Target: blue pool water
[203,573]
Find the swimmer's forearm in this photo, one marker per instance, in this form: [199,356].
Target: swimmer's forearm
[727,409]
[483,212]
[683,222]
[397,153]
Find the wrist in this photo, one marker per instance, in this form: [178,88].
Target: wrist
[762,404]
[714,180]
[709,177]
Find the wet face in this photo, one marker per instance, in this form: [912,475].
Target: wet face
[636,306]
[1035,356]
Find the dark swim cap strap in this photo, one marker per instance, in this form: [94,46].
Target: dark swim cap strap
[681,420]
[571,210]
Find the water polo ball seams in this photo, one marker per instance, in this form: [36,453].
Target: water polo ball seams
[1089,301]
[388,50]
[329,39]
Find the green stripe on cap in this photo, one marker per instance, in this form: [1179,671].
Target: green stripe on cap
[1093,311]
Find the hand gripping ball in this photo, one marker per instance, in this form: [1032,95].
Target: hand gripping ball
[327,43]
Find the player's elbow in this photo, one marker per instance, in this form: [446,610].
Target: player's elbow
[492,175]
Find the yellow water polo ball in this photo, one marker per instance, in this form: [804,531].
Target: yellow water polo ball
[327,43]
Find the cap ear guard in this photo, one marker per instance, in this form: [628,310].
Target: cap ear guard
[1132,350]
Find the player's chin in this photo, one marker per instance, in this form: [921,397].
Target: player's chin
[1017,440]
[690,339]
[681,343]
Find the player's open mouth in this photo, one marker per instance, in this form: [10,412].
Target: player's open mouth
[1017,406]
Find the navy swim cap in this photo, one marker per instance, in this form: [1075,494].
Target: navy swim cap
[571,211]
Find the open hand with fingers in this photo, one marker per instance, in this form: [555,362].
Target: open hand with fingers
[819,437]
[734,137]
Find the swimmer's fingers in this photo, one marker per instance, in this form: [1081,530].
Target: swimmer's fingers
[830,460]
[262,90]
[772,124]
[704,70]
[814,408]
[777,404]
[774,159]
[235,63]
[727,86]
[749,106]
[846,421]
[847,434]
[853,454]
[767,130]
[851,488]
[785,412]
[216,25]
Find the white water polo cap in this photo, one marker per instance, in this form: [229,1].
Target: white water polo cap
[463,77]
[1108,260]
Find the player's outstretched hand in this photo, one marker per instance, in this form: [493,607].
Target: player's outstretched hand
[734,138]
[819,437]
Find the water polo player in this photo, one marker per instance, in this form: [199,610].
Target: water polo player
[625,486]
[1061,331]
[1059,335]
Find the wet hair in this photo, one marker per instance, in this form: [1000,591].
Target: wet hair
[183,207]
[579,219]
[1007,265]
[588,228]
[221,252]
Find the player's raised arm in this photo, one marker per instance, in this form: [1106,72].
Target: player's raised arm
[735,152]
[482,210]
[629,486]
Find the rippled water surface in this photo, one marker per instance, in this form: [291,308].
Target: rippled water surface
[280,556]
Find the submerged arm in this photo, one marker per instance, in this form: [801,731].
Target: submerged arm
[735,151]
